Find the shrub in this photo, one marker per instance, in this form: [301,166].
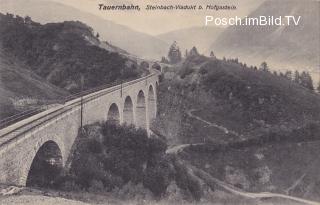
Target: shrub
[156,145]
[186,181]
[144,65]
[86,167]
[158,177]
[96,186]
[127,157]
[132,191]
[187,70]
[203,71]
[70,186]
[94,146]
[156,66]
[66,183]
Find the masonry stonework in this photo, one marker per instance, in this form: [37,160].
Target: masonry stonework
[21,145]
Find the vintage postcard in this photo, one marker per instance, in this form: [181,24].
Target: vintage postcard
[159,102]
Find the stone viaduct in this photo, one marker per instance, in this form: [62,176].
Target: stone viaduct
[56,129]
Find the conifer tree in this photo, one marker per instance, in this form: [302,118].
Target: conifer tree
[186,53]
[174,54]
[306,80]
[297,77]
[212,54]
[288,75]
[264,67]
[194,51]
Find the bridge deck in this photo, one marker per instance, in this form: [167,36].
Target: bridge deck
[13,132]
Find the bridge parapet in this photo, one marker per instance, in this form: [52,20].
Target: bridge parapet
[20,142]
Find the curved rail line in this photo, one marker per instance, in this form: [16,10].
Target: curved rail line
[43,117]
[22,115]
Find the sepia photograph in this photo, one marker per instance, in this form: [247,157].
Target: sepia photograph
[159,102]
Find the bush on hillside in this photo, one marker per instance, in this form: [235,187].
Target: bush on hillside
[158,175]
[186,181]
[156,66]
[125,157]
[124,154]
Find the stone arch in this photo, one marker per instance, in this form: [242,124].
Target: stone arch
[152,106]
[128,116]
[113,115]
[46,165]
[141,120]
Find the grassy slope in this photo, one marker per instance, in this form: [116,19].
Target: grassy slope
[135,42]
[61,52]
[260,104]
[17,83]
[250,102]
[259,169]
[261,95]
[44,62]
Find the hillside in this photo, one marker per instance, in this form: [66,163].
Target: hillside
[249,128]
[114,164]
[285,168]
[134,42]
[290,47]
[247,101]
[61,52]
[201,37]
[112,48]
[21,89]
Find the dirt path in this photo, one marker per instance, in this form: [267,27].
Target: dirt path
[226,186]
[204,175]
[179,148]
[176,149]
[220,127]
[295,184]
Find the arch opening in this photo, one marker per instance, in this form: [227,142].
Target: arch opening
[113,114]
[141,110]
[128,111]
[46,166]
[152,106]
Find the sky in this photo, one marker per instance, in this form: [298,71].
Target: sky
[157,22]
